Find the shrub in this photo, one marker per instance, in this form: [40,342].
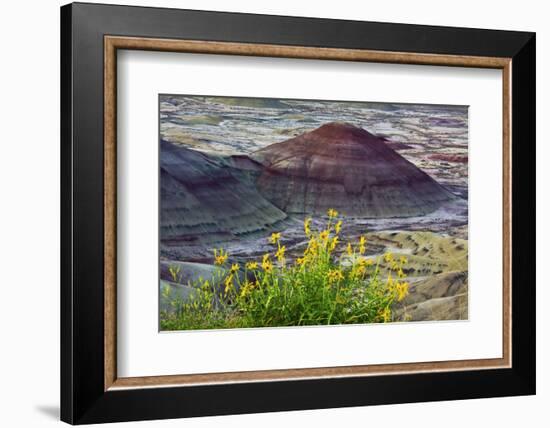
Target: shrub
[331,283]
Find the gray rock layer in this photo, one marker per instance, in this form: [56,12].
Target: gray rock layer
[204,198]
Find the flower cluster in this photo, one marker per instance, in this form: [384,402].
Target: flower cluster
[333,281]
[220,257]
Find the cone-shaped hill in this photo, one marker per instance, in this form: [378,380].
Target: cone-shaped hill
[341,166]
[204,198]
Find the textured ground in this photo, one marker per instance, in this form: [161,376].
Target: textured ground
[228,130]
[243,125]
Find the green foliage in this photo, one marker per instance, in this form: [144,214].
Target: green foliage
[319,288]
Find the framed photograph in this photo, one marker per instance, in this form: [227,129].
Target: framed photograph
[265,213]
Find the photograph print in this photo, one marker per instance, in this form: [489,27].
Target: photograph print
[288,212]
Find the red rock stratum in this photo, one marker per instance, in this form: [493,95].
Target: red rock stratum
[344,167]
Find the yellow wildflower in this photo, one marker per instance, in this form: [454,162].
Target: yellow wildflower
[335,275]
[312,247]
[307,223]
[360,270]
[252,265]
[402,290]
[219,258]
[403,260]
[246,288]
[386,314]
[300,261]
[365,262]
[280,254]
[332,213]
[349,250]
[266,263]
[228,283]
[338,226]
[362,245]
[333,243]
[235,267]
[324,235]
[388,257]
[275,237]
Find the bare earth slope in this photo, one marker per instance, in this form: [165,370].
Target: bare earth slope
[345,167]
[204,198]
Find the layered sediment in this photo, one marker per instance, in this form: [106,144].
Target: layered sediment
[345,167]
[204,198]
